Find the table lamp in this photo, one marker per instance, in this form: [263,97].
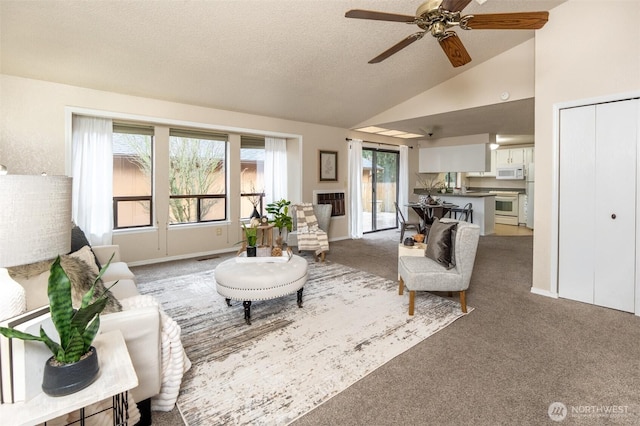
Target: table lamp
[35,225]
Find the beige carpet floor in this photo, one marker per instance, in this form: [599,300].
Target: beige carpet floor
[506,363]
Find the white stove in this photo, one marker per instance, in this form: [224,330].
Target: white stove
[506,207]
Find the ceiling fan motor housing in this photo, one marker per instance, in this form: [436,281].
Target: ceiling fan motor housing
[429,10]
[431,17]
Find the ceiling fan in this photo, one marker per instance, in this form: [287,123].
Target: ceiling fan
[438,16]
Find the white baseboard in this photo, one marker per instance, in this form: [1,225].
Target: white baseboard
[542,292]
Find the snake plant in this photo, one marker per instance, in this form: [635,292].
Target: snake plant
[76,327]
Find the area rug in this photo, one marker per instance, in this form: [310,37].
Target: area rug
[290,359]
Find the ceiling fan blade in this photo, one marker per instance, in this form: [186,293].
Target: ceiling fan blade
[379,16]
[454,49]
[397,47]
[455,5]
[508,21]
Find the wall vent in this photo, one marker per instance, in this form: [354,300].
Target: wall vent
[336,199]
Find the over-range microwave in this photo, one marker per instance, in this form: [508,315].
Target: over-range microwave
[512,172]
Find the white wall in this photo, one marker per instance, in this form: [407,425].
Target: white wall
[587,49]
[511,71]
[32,140]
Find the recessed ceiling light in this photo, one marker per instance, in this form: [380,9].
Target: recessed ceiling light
[392,133]
[372,129]
[409,136]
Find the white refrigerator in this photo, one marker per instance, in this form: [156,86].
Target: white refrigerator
[530,180]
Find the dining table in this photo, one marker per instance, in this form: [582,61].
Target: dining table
[428,212]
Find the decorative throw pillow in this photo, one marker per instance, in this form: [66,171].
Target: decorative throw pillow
[79,240]
[454,234]
[35,277]
[86,254]
[439,243]
[82,276]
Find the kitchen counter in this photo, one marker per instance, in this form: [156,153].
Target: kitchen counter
[471,194]
[483,205]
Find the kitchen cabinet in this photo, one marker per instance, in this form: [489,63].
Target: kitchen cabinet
[458,158]
[492,172]
[598,216]
[511,156]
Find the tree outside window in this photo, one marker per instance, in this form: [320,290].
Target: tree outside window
[197,177]
[132,175]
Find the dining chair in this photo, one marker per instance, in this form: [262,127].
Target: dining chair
[466,213]
[404,223]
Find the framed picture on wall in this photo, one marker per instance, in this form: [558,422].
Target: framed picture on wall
[328,162]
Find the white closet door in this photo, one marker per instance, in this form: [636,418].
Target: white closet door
[615,211]
[577,243]
[597,214]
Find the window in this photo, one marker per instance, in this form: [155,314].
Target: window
[251,177]
[197,176]
[132,175]
[451,179]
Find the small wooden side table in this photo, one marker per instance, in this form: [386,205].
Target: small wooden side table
[265,235]
[116,377]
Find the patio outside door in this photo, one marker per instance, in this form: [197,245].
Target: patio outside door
[379,189]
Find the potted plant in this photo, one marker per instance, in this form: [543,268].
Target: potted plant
[280,217]
[251,236]
[74,364]
[431,184]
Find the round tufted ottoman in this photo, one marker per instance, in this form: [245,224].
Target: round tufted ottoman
[260,278]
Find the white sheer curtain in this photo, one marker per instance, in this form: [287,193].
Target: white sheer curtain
[275,169]
[92,171]
[403,181]
[355,188]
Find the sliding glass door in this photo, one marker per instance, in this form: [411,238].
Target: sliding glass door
[379,189]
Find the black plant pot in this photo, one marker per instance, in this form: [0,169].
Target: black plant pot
[65,379]
[252,251]
[255,214]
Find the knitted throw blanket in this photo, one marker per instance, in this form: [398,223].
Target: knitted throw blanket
[310,236]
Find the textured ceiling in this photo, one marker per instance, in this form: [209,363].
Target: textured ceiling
[300,60]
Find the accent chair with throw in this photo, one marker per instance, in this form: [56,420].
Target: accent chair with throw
[310,228]
[447,264]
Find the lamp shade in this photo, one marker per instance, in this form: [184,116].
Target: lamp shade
[35,218]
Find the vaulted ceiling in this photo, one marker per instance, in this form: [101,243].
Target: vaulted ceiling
[294,59]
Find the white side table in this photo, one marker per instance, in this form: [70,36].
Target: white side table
[415,250]
[116,377]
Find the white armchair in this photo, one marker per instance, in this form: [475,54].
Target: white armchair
[140,326]
[427,274]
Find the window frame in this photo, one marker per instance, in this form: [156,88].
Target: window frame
[146,129]
[201,134]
